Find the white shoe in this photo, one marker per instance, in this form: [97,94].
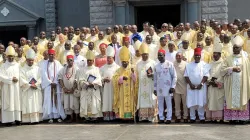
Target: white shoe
[50,121]
[59,120]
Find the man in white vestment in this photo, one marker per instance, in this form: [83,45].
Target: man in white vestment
[9,76]
[164,85]
[89,83]
[52,105]
[171,53]
[146,99]
[79,60]
[152,48]
[180,89]
[68,82]
[30,86]
[107,71]
[186,50]
[196,75]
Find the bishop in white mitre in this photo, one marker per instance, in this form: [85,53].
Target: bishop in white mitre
[107,71]
[30,86]
[89,83]
[146,102]
[52,105]
[9,76]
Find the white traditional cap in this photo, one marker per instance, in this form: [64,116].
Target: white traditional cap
[30,54]
[10,51]
[238,41]
[137,45]
[218,47]
[110,51]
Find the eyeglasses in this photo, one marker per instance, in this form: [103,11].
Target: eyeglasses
[163,26]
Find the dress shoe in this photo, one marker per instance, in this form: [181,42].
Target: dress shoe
[168,122]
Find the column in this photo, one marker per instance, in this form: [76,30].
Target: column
[31,31]
[120,12]
[193,10]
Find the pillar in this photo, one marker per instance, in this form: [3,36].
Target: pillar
[193,10]
[120,11]
[31,31]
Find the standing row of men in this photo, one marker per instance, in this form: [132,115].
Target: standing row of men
[145,78]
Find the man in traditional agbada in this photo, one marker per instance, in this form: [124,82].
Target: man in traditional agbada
[164,86]
[196,75]
[30,86]
[9,76]
[52,105]
[146,99]
[107,72]
[215,93]
[235,71]
[68,82]
[89,84]
[125,94]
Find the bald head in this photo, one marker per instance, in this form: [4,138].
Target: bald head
[179,57]
[187,26]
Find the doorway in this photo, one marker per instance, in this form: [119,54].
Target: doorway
[156,15]
[12,33]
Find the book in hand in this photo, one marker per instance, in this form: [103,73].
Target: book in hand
[91,78]
[32,81]
[149,71]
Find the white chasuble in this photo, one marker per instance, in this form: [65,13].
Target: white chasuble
[146,85]
[31,98]
[107,71]
[11,106]
[90,98]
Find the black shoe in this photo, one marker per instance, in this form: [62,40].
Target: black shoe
[185,120]
[221,121]
[243,122]
[192,121]
[214,121]
[18,123]
[202,121]
[160,121]
[8,124]
[177,120]
[168,122]
[232,122]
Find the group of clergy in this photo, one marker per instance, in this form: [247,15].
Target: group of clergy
[86,74]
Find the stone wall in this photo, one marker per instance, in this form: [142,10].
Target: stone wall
[214,9]
[50,16]
[101,13]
